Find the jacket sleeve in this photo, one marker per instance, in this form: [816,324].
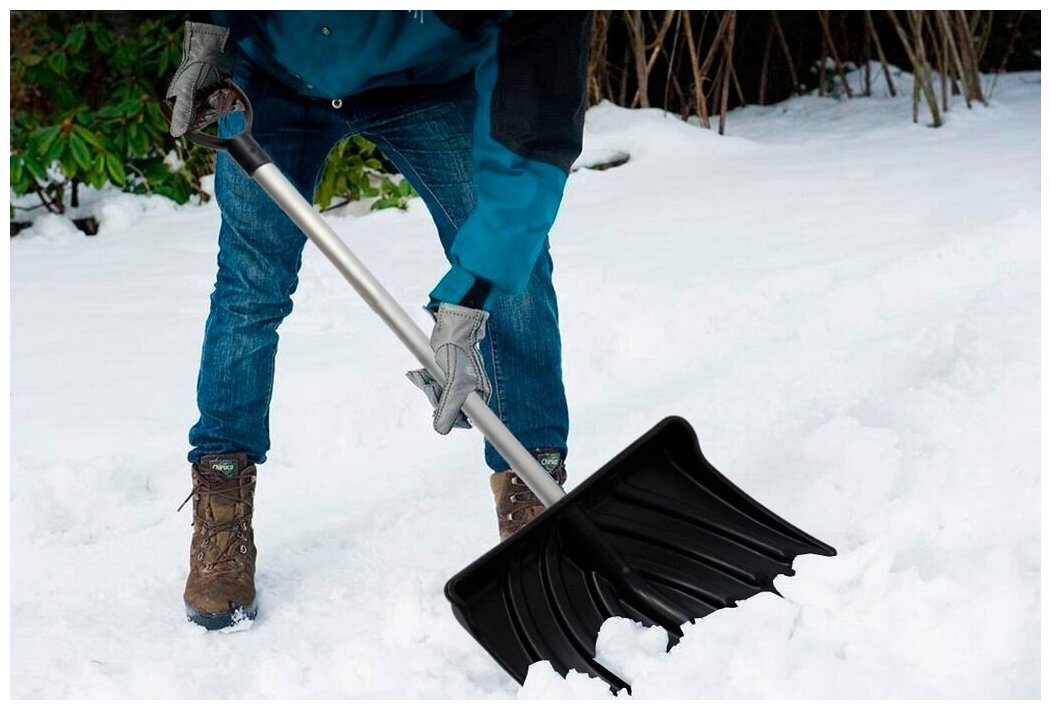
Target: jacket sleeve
[530,86]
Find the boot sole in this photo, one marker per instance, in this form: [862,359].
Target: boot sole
[224,619]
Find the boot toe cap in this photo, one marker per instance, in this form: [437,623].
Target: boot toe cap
[219,601]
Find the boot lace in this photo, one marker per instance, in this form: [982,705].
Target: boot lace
[210,529]
[521,503]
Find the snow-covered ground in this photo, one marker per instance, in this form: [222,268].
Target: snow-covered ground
[844,304]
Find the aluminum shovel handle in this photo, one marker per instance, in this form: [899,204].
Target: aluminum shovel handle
[246,151]
[383,304]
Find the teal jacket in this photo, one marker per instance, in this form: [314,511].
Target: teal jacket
[530,77]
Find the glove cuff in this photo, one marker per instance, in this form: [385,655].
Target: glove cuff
[201,35]
[206,43]
[455,323]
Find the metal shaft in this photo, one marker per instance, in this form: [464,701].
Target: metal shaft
[383,304]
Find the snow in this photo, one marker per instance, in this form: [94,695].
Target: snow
[843,303]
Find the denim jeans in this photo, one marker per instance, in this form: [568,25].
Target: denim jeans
[426,132]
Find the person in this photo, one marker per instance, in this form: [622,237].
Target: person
[483,113]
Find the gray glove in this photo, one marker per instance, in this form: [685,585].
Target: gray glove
[205,64]
[457,332]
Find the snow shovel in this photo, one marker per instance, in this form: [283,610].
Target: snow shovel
[656,535]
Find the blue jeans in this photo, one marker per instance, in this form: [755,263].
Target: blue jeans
[426,132]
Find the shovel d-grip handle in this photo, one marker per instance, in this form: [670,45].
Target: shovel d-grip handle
[227,98]
[243,148]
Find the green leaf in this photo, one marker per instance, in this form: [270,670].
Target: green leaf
[97,177]
[41,139]
[325,191]
[68,163]
[57,61]
[103,38]
[177,190]
[115,169]
[31,60]
[137,140]
[65,96]
[76,37]
[142,143]
[162,64]
[153,111]
[57,148]
[88,137]
[80,152]
[18,169]
[130,107]
[155,171]
[35,168]
[384,203]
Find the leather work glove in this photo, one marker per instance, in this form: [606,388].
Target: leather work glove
[205,64]
[457,332]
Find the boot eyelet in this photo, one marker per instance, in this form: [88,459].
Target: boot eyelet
[200,556]
[244,550]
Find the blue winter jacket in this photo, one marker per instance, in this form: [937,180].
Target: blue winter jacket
[529,74]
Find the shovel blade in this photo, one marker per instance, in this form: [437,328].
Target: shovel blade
[656,535]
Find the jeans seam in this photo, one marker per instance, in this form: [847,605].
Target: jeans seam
[386,145]
[269,396]
[498,378]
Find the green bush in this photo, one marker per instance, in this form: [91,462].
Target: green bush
[355,170]
[85,111]
[84,108]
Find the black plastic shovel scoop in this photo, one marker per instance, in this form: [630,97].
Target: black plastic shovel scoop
[657,535]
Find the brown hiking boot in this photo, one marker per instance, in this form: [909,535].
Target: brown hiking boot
[516,505]
[220,590]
